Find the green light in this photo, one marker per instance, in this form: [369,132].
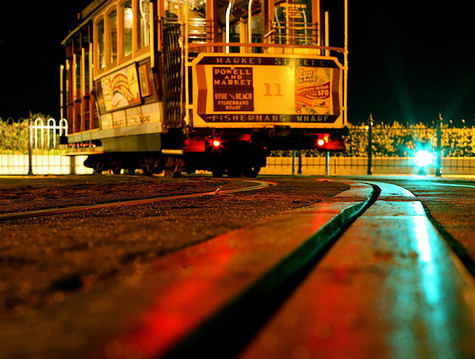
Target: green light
[423,158]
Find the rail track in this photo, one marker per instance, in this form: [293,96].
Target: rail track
[254,185]
[365,273]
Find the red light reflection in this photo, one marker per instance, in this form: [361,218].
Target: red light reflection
[175,312]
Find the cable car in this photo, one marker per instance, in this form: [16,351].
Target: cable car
[215,85]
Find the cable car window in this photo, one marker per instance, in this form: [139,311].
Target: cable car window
[256,34]
[77,66]
[128,27]
[113,36]
[86,71]
[144,23]
[100,43]
[234,36]
[197,21]
[293,22]
[171,11]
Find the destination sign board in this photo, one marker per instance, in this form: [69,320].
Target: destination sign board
[266,88]
[233,89]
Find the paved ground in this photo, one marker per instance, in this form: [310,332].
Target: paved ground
[450,202]
[45,259]
[388,288]
[68,267]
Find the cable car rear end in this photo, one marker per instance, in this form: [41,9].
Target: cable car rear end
[201,85]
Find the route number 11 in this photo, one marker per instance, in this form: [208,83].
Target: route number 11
[273,89]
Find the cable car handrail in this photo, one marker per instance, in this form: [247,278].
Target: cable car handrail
[265,45]
[249,21]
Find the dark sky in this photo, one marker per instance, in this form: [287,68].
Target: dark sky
[31,53]
[407,62]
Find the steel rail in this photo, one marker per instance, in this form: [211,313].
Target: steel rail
[452,184]
[254,306]
[409,248]
[370,267]
[391,286]
[247,273]
[456,246]
[130,202]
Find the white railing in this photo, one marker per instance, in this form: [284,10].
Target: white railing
[44,136]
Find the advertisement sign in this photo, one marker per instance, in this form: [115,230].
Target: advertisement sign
[120,89]
[266,88]
[313,90]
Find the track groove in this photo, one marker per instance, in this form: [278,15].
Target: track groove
[248,312]
[388,288]
[225,330]
[130,202]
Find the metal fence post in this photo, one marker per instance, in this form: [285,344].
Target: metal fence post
[72,165]
[293,162]
[327,163]
[370,145]
[299,166]
[30,148]
[438,168]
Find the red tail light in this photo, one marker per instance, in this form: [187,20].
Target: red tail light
[327,143]
[323,140]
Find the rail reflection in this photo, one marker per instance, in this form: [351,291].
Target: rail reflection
[428,319]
